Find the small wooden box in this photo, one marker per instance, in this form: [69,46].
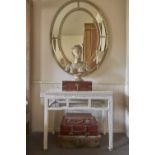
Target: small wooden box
[76,85]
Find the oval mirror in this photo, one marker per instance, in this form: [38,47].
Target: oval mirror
[79,38]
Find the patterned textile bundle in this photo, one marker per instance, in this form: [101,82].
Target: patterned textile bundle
[79,141]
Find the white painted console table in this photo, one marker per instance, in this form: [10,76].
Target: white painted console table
[61,100]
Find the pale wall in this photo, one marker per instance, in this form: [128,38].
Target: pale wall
[127,72]
[111,74]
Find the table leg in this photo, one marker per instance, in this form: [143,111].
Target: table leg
[45,124]
[53,122]
[103,122]
[110,124]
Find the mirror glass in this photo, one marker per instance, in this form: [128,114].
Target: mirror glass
[79,37]
[85,35]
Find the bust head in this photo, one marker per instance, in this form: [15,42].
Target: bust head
[77,51]
[77,67]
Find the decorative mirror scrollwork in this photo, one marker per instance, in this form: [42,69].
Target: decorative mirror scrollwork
[79,37]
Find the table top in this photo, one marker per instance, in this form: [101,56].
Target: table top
[72,94]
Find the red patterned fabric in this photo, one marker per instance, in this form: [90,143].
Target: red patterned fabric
[79,124]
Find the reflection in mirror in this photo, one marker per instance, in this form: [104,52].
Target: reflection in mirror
[85,35]
[79,26]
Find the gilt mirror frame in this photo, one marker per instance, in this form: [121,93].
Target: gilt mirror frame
[86,10]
